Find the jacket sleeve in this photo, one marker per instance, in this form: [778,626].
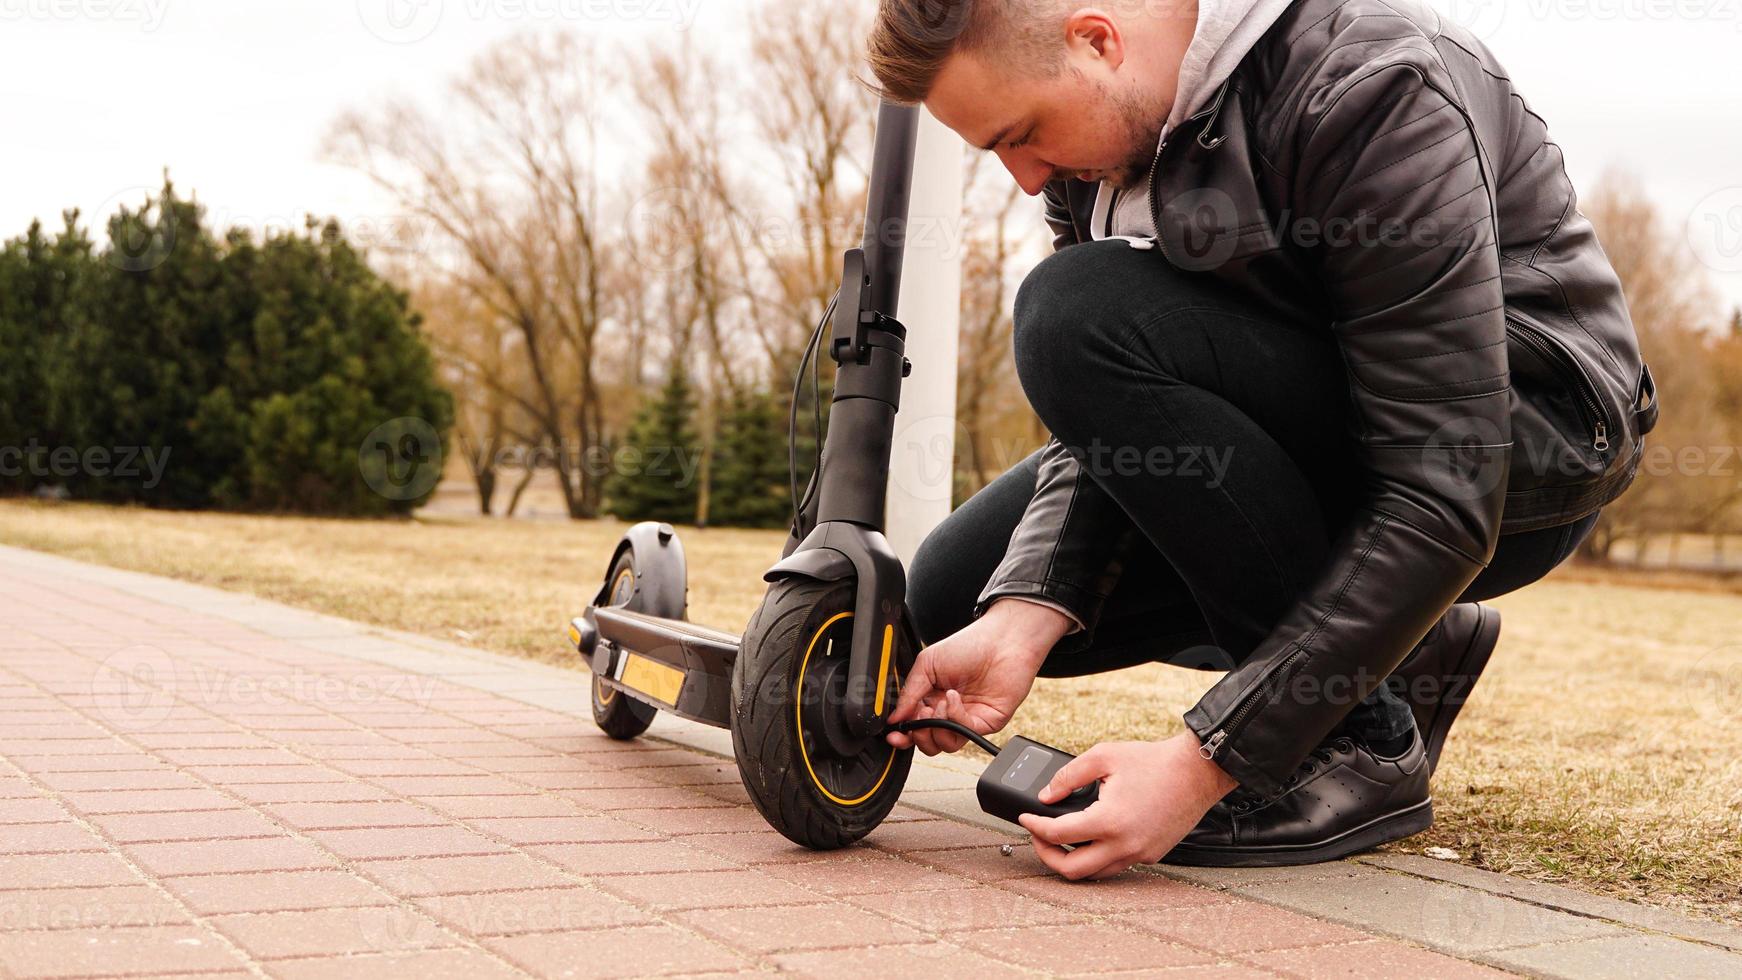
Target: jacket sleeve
[1068,549]
[1390,176]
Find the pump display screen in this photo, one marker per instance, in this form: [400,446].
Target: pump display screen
[1027,769]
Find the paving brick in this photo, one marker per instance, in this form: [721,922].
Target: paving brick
[927,835]
[1091,948]
[469,807]
[406,842]
[632,798]
[274,891]
[572,829]
[1376,959]
[984,863]
[228,755]
[332,816]
[1240,926]
[480,785]
[148,801]
[418,877]
[585,779]
[229,856]
[1133,891]
[1622,956]
[333,932]
[129,828]
[435,964]
[630,858]
[80,952]
[697,820]
[971,906]
[614,952]
[509,913]
[934,959]
[428,766]
[138,779]
[48,838]
[863,873]
[71,870]
[814,926]
[87,908]
[723,773]
[247,775]
[136,761]
[1462,920]
[678,890]
[334,792]
[763,847]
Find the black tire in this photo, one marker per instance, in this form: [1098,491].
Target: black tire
[801,787]
[618,714]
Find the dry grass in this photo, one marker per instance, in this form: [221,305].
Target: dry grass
[1603,748]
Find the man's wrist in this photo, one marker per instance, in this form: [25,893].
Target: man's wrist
[1214,780]
[1029,629]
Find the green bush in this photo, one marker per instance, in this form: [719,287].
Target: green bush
[248,375]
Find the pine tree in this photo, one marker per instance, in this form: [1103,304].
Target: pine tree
[657,465]
[750,487]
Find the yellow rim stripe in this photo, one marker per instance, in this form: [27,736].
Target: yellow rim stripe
[883,669]
[798,718]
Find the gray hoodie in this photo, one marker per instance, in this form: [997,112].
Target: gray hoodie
[1225,31]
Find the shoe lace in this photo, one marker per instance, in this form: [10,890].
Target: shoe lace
[1321,756]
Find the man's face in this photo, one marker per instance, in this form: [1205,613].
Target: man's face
[1088,121]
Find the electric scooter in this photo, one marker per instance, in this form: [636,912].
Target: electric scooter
[807,689]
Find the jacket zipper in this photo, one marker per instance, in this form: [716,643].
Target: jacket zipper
[1571,371]
[1213,744]
[1212,110]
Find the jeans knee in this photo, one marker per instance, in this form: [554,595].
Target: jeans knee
[934,589]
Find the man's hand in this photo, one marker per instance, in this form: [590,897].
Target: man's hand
[1152,794]
[978,675]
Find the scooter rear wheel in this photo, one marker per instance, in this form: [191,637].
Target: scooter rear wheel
[617,714]
[788,684]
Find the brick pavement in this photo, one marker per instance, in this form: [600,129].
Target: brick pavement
[199,783]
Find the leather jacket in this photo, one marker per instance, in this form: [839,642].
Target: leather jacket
[1369,166]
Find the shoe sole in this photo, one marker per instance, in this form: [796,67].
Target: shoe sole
[1392,826]
[1470,665]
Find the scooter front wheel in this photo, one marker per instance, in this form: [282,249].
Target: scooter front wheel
[617,714]
[789,685]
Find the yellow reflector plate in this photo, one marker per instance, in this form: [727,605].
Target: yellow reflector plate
[652,678]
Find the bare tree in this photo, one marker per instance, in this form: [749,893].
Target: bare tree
[1673,310]
[502,171]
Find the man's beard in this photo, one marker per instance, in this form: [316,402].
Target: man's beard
[1140,123]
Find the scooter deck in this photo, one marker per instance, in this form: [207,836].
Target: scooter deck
[673,664]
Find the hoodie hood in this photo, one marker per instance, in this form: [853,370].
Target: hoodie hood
[1225,32]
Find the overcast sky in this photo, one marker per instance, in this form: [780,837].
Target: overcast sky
[234,95]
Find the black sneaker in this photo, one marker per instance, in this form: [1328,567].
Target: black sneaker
[1344,799]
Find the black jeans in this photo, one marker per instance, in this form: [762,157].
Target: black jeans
[1221,431]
